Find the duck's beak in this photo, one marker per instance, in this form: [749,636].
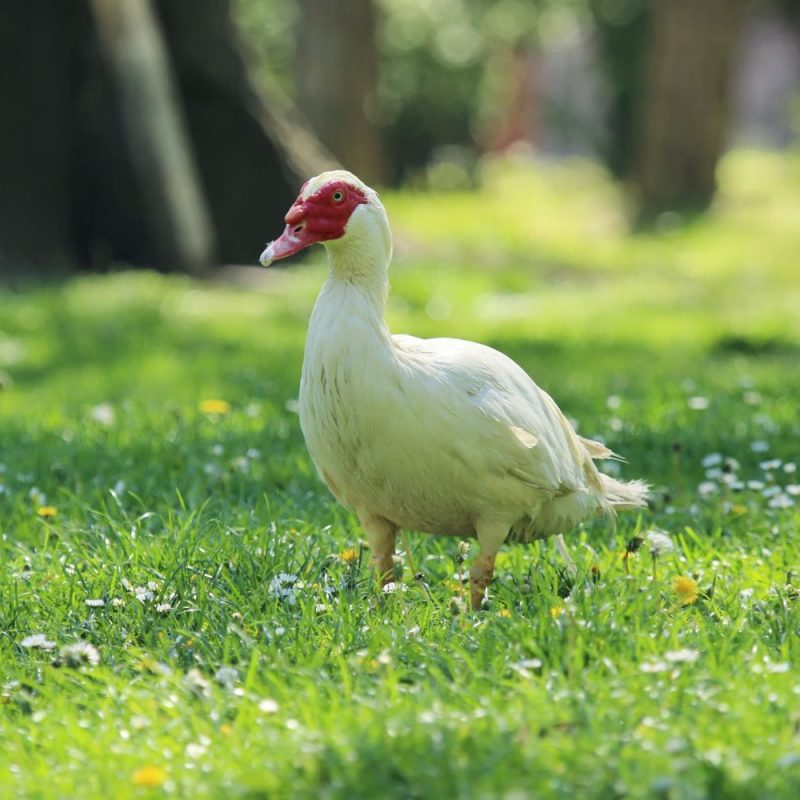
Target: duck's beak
[296,236]
[293,239]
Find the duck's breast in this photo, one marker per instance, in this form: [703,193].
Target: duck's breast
[389,436]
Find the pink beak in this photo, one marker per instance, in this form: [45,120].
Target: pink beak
[295,237]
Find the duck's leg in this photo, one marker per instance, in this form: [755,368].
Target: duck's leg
[381,535]
[491,534]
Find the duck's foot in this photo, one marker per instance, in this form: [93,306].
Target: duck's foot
[480,576]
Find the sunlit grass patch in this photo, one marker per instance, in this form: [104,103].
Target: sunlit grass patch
[198,618]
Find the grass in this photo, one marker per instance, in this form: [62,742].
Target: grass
[243,650]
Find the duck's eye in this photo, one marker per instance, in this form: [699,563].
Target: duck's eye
[338,196]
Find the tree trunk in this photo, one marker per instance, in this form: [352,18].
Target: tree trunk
[37,70]
[683,111]
[160,149]
[253,156]
[71,190]
[337,78]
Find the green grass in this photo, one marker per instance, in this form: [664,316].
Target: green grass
[181,521]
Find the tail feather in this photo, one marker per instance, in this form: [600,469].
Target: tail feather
[598,451]
[621,496]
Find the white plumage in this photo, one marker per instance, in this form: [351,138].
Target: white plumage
[437,435]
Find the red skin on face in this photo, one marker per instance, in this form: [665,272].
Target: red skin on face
[318,218]
[327,211]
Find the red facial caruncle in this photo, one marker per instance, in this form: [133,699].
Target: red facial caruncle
[319,217]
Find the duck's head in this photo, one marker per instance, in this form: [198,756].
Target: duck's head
[338,210]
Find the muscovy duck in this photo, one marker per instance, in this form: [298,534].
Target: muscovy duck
[443,436]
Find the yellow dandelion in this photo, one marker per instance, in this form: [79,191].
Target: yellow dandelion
[349,556]
[503,612]
[225,729]
[685,589]
[215,406]
[556,611]
[47,511]
[150,776]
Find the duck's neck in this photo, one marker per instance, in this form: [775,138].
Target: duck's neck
[362,266]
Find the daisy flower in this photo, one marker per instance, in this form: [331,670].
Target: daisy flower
[685,590]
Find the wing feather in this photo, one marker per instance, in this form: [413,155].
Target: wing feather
[542,449]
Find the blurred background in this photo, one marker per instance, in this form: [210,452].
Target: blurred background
[175,133]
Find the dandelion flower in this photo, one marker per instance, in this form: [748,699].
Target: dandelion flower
[215,407]
[195,750]
[268,706]
[226,676]
[143,594]
[685,589]
[103,413]
[503,612]
[47,511]
[79,654]
[349,556]
[631,547]
[634,544]
[684,656]
[38,641]
[659,542]
[150,776]
[284,586]
[556,611]
[698,403]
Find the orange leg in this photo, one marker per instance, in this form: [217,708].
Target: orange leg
[381,535]
[480,576]
[491,534]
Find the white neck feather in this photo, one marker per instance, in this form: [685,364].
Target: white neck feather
[361,257]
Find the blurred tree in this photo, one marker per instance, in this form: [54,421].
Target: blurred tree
[337,78]
[670,65]
[622,27]
[419,79]
[252,149]
[80,169]
[683,112]
[161,152]
[37,92]
[458,77]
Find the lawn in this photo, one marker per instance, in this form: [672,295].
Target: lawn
[186,612]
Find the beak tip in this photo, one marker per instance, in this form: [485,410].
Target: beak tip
[266,257]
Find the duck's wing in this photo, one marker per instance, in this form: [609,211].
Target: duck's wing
[518,426]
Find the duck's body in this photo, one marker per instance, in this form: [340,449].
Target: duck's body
[435,434]
[440,435]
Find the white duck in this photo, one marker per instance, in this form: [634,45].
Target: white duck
[438,435]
